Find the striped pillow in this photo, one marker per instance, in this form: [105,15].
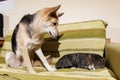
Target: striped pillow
[87,36]
[7,44]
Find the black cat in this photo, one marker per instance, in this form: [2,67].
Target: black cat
[81,60]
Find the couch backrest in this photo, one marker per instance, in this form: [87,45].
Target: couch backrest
[85,37]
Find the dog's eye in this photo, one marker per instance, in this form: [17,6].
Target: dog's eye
[55,24]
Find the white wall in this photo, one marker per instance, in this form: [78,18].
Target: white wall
[6,5]
[75,10]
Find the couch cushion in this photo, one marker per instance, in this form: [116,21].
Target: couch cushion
[62,74]
[87,36]
[7,44]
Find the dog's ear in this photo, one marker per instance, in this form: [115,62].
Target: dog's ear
[53,11]
[60,14]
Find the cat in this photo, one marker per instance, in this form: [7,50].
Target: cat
[81,60]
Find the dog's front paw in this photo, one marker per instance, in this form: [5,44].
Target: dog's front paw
[51,69]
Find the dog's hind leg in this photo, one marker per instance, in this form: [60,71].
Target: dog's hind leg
[44,61]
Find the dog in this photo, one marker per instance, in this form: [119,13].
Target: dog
[28,37]
[81,60]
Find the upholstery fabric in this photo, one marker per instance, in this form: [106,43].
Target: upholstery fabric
[113,55]
[87,36]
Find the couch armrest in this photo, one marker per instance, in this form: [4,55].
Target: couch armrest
[112,53]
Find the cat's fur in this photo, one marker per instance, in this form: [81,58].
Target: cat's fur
[81,60]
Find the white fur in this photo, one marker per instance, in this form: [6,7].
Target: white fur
[52,30]
[12,60]
[29,42]
[91,67]
[43,59]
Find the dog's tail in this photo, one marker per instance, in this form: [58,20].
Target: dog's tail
[12,60]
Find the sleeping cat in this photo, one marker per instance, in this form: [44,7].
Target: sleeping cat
[81,60]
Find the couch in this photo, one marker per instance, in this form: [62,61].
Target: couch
[112,53]
[84,37]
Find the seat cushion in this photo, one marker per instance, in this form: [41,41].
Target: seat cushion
[62,74]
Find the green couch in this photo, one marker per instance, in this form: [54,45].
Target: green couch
[112,53]
[87,36]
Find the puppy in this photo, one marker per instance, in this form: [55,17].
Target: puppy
[81,60]
[28,37]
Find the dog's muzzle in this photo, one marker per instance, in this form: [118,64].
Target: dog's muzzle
[56,36]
